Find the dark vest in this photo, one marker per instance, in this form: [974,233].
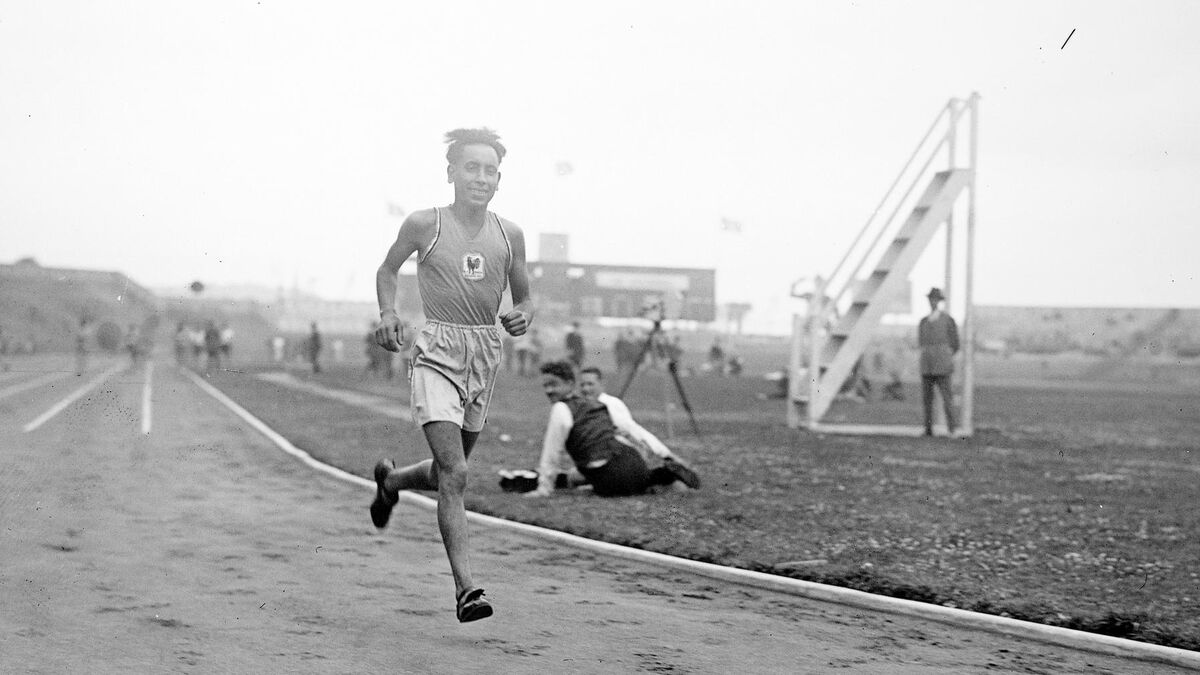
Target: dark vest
[592,432]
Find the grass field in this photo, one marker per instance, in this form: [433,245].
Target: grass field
[1072,505]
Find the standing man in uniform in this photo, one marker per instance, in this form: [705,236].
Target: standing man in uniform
[937,336]
[466,257]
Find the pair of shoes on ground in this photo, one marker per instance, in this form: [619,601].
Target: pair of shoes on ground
[519,480]
[682,472]
[381,508]
[472,606]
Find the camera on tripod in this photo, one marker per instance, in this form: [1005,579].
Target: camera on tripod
[657,345]
[653,310]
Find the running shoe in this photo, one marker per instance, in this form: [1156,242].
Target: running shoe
[472,606]
[381,508]
[683,472]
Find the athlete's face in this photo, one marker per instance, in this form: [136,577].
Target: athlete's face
[590,386]
[556,388]
[475,174]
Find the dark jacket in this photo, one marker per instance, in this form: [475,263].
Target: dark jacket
[938,339]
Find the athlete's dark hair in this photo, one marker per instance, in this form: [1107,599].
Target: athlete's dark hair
[461,137]
[593,370]
[563,370]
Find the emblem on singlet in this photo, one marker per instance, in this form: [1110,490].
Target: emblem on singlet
[472,266]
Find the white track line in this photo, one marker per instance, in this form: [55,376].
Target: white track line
[843,596]
[71,398]
[283,443]
[33,384]
[146,397]
[376,404]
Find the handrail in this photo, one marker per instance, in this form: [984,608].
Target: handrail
[822,303]
[900,203]
[867,225]
[956,112]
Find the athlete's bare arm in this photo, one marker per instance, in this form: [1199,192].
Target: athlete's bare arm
[517,320]
[415,235]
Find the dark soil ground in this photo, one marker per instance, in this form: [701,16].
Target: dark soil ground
[1072,506]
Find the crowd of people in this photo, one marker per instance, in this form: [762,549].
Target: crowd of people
[203,345]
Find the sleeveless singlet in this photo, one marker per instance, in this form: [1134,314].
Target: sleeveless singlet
[462,279]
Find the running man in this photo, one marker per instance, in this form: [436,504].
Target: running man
[466,257]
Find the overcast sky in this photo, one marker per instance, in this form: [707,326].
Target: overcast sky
[262,142]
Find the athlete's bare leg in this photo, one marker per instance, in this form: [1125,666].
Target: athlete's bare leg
[447,474]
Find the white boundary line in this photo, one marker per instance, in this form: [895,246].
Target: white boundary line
[33,384]
[71,398]
[372,402]
[843,596]
[146,397]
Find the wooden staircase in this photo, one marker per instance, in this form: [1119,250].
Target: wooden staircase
[845,310]
[851,334]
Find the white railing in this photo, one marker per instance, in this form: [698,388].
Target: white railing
[834,287]
[828,298]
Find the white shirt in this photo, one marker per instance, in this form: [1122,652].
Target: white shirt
[555,458]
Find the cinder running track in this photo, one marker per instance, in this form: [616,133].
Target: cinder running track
[200,547]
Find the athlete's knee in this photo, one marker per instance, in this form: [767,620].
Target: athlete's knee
[452,476]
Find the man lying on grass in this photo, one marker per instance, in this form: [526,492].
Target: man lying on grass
[601,440]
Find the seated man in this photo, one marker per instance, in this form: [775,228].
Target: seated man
[654,451]
[601,439]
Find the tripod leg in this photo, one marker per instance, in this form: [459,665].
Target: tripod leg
[637,363]
[674,370]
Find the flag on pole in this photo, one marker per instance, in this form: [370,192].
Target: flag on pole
[731,225]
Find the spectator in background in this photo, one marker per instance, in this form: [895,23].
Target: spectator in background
[81,347]
[182,342]
[278,348]
[212,347]
[133,345]
[716,357]
[196,335]
[312,348]
[937,337]
[574,344]
[734,366]
[621,347]
[227,342]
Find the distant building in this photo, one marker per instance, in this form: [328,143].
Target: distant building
[579,290]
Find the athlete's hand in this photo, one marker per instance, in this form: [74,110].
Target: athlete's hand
[515,322]
[390,334]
